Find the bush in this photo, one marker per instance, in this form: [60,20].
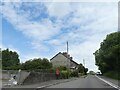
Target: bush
[64,74]
[112,74]
[74,74]
[62,68]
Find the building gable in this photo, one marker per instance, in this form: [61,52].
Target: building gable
[61,59]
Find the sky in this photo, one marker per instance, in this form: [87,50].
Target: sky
[41,29]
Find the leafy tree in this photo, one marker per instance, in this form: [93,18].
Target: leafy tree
[35,64]
[46,64]
[81,68]
[85,70]
[10,59]
[62,68]
[108,55]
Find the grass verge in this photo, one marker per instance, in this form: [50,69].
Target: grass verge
[113,75]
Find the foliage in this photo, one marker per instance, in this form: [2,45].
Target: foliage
[110,74]
[108,55]
[64,74]
[37,64]
[85,71]
[10,60]
[74,74]
[62,68]
[82,69]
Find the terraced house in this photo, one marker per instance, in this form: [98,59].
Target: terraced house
[64,59]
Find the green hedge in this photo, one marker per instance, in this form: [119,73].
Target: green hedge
[64,74]
[74,74]
[113,74]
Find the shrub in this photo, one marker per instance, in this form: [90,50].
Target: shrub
[74,74]
[64,74]
[112,74]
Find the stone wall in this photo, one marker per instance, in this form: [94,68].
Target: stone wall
[8,74]
[22,75]
[37,77]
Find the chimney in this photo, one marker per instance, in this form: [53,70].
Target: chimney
[66,55]
[71,58]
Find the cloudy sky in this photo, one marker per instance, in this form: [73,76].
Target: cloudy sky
[41,29]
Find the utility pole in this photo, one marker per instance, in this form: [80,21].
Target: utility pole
[68,59]
[68,56]
[67,47]
[84,62]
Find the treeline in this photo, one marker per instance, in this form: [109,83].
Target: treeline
[108,56]
[36,64]
[11,61]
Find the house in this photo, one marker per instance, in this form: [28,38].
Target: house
[63,59]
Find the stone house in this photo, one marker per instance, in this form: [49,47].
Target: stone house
[63,59]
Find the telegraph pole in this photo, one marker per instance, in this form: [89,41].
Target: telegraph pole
[68,59]
[68,56]
[67,47]
[84,62]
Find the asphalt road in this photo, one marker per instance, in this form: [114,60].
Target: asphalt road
[88,82]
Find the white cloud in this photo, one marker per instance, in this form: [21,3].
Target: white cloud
[59,10]
[37,31]
[94,23]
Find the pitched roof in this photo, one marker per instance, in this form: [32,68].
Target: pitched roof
[64,56]
[74,62]
[55,55]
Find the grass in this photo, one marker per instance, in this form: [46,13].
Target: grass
[113,75]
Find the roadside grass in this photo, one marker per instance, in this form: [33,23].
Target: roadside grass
[113,75]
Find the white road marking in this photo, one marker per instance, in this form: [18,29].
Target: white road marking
[41,87]
[111,84]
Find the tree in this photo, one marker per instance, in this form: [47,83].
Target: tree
[46,64]
[81,68]
[37,64]
[10,59]
[108,55]
[85,70]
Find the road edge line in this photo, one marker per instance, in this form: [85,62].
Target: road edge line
[109,83]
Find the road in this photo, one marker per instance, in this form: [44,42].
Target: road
[88,82]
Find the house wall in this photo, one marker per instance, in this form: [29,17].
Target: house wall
[60,60]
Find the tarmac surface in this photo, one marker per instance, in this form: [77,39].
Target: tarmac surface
[90,82]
